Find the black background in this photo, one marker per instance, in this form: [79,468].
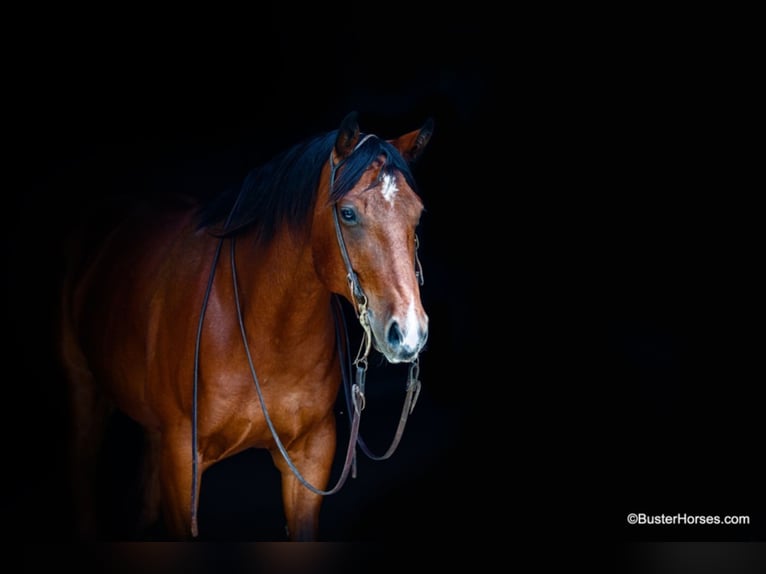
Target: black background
[589,246]
[135,111]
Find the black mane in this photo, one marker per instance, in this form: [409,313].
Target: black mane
[283,191]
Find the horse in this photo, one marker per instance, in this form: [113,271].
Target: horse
[215,323]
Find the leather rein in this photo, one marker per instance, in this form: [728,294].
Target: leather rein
[354,392]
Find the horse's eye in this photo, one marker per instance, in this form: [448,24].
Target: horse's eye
[348,215]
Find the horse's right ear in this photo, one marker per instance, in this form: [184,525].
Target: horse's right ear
[348,136]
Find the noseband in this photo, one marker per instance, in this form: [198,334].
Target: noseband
[355,399]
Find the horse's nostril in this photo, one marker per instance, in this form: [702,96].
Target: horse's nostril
[394,337]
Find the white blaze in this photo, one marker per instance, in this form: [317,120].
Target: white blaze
[411,328]
[389,189]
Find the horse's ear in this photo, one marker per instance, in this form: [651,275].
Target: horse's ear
[412,144]
[348,136]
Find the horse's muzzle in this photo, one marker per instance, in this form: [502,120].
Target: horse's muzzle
[403,342]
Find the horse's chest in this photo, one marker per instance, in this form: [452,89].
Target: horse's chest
[245,419]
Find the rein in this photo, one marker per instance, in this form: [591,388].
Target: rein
[354,393]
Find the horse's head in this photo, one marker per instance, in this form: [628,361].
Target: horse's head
[376,210]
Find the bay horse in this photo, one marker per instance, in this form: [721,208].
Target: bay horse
[215,325]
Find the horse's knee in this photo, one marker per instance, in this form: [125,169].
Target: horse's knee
[301,506]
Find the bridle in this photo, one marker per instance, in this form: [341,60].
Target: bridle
[354,392]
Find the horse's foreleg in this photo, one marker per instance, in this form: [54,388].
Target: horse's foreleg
[313,456]
[175,479]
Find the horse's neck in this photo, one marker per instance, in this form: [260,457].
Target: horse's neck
[280,284]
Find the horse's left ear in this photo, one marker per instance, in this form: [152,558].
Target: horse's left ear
[348,136]
[412,144]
